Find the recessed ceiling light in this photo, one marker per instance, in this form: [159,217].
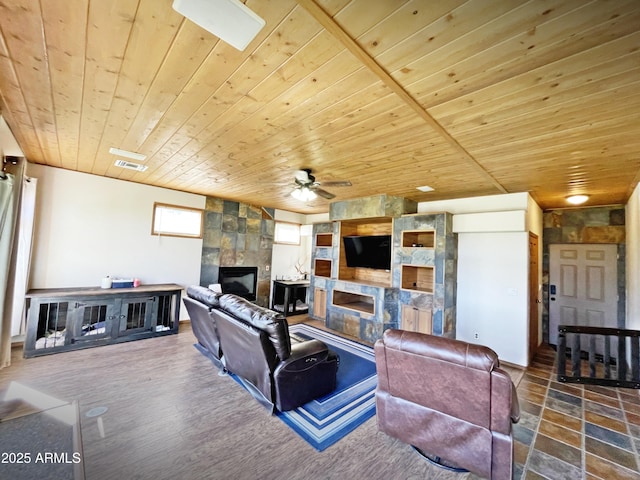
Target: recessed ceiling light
[425,188]
[229,20]
[126,153]
[577,199]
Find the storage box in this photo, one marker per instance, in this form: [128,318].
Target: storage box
[122,283]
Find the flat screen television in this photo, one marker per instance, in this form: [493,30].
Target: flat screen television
[368,251]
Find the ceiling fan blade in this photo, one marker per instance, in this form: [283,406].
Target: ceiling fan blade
[337,183]
[323,193]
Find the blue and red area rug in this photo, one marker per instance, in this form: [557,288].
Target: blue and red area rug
[324,421]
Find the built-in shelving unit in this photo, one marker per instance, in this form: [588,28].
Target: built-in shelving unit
[418,238]
[416,293]
[322,267]
[368,276]
[416,319]
[324,240]
[419,278]
[354,301]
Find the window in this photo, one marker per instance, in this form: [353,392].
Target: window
[176,221]
[288,233]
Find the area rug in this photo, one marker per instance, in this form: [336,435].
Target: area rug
[326,420]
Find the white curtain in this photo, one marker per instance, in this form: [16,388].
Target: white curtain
[8,193]
[23,255]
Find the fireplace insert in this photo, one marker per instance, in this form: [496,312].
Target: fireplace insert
[241,281]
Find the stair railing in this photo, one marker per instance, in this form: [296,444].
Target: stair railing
[598,356]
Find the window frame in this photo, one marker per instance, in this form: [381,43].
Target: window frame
[280,242]
[168,206]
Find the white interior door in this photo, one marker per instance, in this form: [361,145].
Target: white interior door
[582,286]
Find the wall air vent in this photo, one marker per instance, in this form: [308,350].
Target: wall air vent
[130,165]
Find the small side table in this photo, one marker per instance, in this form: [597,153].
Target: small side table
[286,294]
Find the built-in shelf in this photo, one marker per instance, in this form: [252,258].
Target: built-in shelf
[324,240]
[418,238]
[322,267]
[418,278]
[354,301]
[365,227]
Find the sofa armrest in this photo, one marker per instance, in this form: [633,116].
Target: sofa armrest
[304,355]
[309,373]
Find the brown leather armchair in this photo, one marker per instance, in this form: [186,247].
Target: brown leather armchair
[448,399]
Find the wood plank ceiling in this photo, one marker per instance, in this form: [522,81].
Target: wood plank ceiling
[473,97]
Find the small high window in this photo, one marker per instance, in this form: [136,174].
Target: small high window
[177,221]
[288,233]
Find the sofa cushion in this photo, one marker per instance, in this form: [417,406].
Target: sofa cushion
[204,295]
[274,324]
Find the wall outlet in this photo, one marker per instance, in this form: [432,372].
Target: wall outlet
[475,335]
[267,268]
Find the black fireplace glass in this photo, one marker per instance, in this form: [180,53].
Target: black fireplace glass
[240,281]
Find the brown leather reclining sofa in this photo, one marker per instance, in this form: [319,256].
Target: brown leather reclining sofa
[253,343]
[447,398]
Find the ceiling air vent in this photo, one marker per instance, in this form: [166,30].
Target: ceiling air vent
[130,165]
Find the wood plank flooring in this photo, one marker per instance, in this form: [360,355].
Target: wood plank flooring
[171,416]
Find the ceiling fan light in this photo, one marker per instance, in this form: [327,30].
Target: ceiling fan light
[311,195]
[230,20]
[297,194]
[304,194]
[577,199]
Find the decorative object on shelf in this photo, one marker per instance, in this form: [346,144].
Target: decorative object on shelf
[122,283]
[302,272]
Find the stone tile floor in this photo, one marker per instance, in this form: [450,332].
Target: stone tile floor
[571,431]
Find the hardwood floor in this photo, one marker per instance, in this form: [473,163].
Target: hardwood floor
[171,416]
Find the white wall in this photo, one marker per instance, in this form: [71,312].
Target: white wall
[493,269]
[492,306]
[286,257]
[8,143]
[488,203]
[89,226]
[633,260]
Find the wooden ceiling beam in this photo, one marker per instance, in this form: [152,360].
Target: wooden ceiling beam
[352,46]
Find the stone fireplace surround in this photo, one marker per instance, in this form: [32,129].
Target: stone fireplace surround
[237,234]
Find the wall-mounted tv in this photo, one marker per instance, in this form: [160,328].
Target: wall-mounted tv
[368,251]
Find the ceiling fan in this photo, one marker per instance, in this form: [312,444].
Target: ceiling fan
[308,189]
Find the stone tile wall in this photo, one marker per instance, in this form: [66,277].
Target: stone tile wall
[443,257]
[236,234]
[389,300]
[584,225]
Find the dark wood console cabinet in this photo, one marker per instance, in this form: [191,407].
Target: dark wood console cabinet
[290,293]
[65,319]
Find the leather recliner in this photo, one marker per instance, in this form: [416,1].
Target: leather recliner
[255,345]
[447,398]
[200,302]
